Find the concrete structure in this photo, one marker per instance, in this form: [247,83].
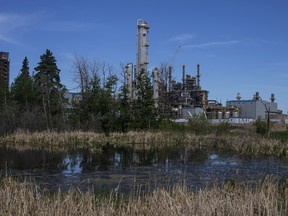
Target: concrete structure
[4,68]
[142,45]
[129,79]
[156,83]
[255,108]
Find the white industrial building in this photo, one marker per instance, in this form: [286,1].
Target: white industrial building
[255,107]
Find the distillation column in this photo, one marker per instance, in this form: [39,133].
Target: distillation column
[156,81]
[129,79]
[142,45]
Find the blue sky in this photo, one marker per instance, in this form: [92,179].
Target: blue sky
[241,45]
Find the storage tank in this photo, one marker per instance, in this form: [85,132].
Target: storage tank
[235,114]
[227,115]
[219,115]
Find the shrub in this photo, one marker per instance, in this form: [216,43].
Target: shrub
[261,126]
[223,128]
[199,124]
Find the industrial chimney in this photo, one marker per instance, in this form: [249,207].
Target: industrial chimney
[272,98]
[198,76]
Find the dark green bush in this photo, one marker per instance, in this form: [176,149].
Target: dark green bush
[199,124]
[223,128]
[261,125]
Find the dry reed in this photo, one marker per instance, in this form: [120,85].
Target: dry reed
[243,143]
[269,198]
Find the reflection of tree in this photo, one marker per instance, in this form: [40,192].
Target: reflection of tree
[29,159]
[197,156]
[121,157]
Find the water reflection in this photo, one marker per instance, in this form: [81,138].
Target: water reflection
[126,168]
[72,165]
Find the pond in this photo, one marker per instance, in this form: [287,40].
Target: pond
[126,169]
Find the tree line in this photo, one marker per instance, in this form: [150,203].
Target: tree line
[37,101]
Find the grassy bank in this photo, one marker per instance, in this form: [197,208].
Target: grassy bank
[243,142]
[269,198]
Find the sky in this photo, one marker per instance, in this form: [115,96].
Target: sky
[241,45]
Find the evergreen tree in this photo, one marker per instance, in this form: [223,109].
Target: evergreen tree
[4,93]
[100,105]
[144,112]
[51,91]
[124,119]
[22,90]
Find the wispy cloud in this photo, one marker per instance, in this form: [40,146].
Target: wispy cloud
[68,26]
[9,40]
[212,44]
[10,23]
[182,38]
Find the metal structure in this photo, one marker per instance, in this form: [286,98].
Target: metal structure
[4,68]
[181,100]
[187,98]
[142,46]
[129,79]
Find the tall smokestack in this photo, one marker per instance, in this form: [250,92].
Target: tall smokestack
[272,98]
[170,79]
[238,97]
[198,76]
[257,96]
[183,77]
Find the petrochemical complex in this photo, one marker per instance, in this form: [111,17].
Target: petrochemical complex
[187,98]
[181,100]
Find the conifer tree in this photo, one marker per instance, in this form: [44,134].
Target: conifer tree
[144,112]
[23,91]
[51,91]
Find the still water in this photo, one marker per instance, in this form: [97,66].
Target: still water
[125,169]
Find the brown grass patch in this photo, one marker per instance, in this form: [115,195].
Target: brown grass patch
[269,198]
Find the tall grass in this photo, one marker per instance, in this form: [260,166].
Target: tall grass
[243,142]
[269,198]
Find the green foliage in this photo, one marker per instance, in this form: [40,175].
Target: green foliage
[261,126]
[167,125]
[23,90]
[4,93]
[281,135]
[124,118]
[98,108]
[50,89]
[223,128]
[199,124]
[144,112]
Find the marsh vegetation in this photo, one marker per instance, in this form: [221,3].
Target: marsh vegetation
[266,196]
[270,197]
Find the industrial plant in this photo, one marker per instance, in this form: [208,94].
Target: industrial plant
[179,101]
[187,98]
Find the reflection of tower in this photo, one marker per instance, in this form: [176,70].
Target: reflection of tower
[4,67]
[142,45]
